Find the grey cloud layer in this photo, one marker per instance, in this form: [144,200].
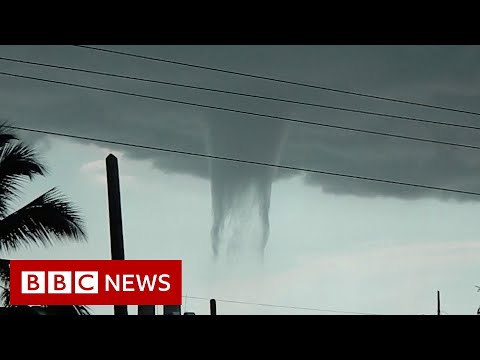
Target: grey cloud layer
[447,76]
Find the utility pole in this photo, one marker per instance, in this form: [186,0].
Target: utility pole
[115,215]
[478,290]
[146,309]
[213,307]
[172,310]
[438,302]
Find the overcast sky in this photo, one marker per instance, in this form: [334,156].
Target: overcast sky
[332,243]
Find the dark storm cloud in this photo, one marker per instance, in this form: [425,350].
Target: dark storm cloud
[446,76]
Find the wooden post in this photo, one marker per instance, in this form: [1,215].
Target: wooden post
[213,307]
[438,302]
[172,310]
[146,309]
[115,214]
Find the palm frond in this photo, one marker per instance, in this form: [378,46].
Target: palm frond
[26,310]
[6,138]
[5,296]
[4,282]
[21,311]
[18,163]
[83,310]
[4,271]
[7,134]
[66,310]
[48,219]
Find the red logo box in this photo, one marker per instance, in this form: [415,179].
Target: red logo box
[95,282]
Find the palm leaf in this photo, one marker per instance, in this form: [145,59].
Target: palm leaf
[4,270]
[7,133]
[5,297]
[4,283]
[18,163]
[25,310]
[48,219]
[6,137]
[66,310]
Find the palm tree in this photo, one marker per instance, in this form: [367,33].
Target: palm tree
[48,219]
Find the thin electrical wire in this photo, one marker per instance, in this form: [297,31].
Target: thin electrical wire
[278,80]
[214,157]
[256,96]
[298,121]
[283,306]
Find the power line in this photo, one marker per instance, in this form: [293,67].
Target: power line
[275,117]
[278,80]
[214,157]
[256,96]
[283,306]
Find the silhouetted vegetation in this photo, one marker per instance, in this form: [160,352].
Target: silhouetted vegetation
[47,220]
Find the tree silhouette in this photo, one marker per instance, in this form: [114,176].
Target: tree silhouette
[49,219]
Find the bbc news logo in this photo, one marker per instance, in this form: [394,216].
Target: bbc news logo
[59,282]
[86,282]
[95,282]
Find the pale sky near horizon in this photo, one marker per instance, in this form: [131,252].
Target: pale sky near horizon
[333,245]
